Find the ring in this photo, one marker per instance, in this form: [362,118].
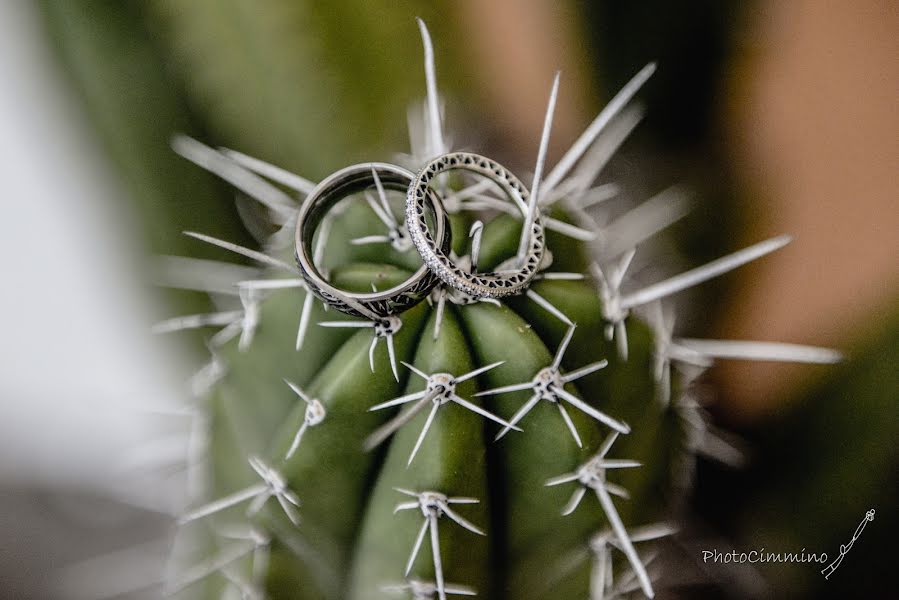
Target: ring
[326,194]
[477,285]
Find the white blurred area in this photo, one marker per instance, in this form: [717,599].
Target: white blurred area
[78,368]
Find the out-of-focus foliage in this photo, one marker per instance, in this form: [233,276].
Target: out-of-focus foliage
[818,469]
[135,105]
[308,85]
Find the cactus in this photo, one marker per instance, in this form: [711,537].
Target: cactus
[533,447]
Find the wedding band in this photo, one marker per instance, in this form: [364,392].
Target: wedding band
[322,199]
[477,285]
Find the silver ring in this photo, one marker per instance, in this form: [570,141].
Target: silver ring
[326,194]
[478,285]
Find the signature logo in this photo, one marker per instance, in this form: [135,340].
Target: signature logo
[845,548]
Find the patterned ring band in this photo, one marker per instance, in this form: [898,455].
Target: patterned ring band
[478,285]
[322,199]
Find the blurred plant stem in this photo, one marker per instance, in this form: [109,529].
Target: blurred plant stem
[310,86]
[135,105]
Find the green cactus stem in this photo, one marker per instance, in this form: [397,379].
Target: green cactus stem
[530,448]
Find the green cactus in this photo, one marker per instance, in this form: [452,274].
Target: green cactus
[464,446]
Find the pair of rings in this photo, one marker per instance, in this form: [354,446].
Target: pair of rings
[422,203]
